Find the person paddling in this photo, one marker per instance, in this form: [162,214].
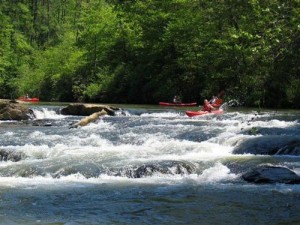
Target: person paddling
[177,99]
[207,106]
[217,101]
[214,103]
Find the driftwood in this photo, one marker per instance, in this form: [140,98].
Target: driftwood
[91,118]
[91,111]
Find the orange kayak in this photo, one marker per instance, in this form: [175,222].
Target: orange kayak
[200,113]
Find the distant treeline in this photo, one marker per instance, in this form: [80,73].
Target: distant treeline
[146,51]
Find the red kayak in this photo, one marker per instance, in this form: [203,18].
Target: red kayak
[177,104]
[200,113]
[24,99]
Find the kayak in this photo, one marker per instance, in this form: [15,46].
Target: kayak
[200,113]
[24,99]
[177,104]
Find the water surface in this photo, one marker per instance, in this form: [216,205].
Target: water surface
[149,165]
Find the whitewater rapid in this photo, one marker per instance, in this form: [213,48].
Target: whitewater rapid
[127,141]
[145,166]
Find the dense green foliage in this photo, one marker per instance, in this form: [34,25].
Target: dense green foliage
[134,51]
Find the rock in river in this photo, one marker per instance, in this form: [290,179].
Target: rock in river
[271,174]
[91,111]
[11,110]
[79,109]
[270,145]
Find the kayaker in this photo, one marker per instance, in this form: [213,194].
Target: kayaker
[213,100]
[214,103]
[207,106]
[177,99]
[217,101]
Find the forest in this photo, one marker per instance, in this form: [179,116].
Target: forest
[146,51]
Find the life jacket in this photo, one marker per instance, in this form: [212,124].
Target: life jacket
[218,102]
[206,108]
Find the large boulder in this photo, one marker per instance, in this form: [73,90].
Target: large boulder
[11,110]
[271,174]
[292,148]
[78,109]
[269,145]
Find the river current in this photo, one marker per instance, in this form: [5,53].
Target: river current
[147,165]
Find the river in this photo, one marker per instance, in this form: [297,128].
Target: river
[149,165]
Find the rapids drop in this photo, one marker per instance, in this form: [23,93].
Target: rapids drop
[145,166]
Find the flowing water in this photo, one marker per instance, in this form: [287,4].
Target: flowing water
[145,166]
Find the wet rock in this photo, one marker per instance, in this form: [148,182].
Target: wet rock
[78,109]
[171,168]
[30,171]
[292,148]
[86,170]
[271,174]
[269,145]
[11,110]
[10,155]
[43,123]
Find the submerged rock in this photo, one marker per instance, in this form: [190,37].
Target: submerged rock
[43,123]
[11,110]
[147,170]
[170,167]
[10,155]
[271,174]
[88,170]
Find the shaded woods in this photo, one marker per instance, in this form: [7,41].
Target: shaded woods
[117,51]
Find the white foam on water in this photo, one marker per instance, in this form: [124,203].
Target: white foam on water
[136,146]
[9,133]
[297,171]
[37,134]
[273,123]
[94,148]
[159,148]
[238,127]
[217,173]
[7,121]
[142,147]
[145,146]
[31,151]
[99,124]
[45,113]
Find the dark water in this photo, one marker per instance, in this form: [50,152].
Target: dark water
[150,166]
